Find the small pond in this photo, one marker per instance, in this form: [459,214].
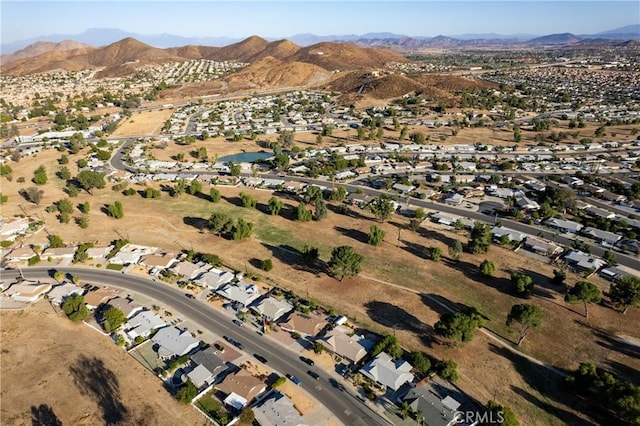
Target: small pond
[246,157]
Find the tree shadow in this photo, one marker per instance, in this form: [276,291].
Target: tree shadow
[356,234]
[543,286]
[197,222]
[346,210]
[43,415]
[392,316]
[547,383]
[417,250]
[471,271]
[612,343]
[201,195]
[236,201]
[624,371]
[295,258]
[255,262]
[92,378]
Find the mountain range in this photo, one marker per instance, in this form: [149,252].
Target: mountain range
[106,36]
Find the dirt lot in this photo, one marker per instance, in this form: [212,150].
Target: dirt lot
[147,123]
[53,369]
[564,340]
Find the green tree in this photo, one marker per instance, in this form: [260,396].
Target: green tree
[339,194]
[434,253]
[58,276]
[63,160]
[626,292]
[281,161]
[313,193]
[499,412]
[179,188]
[480,238]
[234,168]
[345,262]
[85,207]
[89,180]
[83,222]
[3,198]
[584,292]
[266,265]
[214,195]
[559,276]
[113,319]
[75,308]
[610,257]
[247,416]
[286,139]
[321,209]
[522,284]
[32,194]
[63,173]
[116,210]
[455,248]
[220,223]
[376,236]
[448,370]
[65,206]
[242,230]
[274,205]
[247,200]
[526,316]
[302,214]
[195,186]
[40,176]
[187,392]
[151,193]
[459,326]
[419,361]
[279,382]
[487,268]
[5,170]
[55,241]
[310,255]
[382,208]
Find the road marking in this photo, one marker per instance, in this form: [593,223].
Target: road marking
[347,412]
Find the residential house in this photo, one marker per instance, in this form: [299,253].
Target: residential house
[174,342]
[243,292]
[499,232]
[214,278]
[60,253]
[629,245]
[426,193]
[11,228]
[350,347]
[541,246]
[454,199]
[97,297]
[617,272]
[384,370]
[126,258]
[209,359]
[445,218]
[525,203]
[271,308]
[200,376]
[59,292]
[278,410]
[142,324]
[20,254]
[161,261]
[99,252]
[584,261]
[241,388]
[190,270]
[598,212]
[128,307]
[435,410]
[28,291]
[601,236]
[403,189]
[565,226]
[304,324]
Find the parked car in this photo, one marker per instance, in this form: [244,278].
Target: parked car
[260,358]
[190,296]
[294,379]
[238,322]
[308,361]
[219,347]
[313,374]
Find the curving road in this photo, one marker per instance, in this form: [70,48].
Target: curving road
[346,407]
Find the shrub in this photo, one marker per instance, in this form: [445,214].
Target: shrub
[266,265]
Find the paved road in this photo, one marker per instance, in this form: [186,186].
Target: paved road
[346,407]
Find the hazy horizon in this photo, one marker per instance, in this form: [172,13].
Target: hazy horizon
[22,20]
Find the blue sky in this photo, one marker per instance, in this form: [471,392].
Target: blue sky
[26,19]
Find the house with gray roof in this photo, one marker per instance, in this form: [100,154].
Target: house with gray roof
[278,410]
[143,324]
[541,246]
[384,370]
[209,359]
[601,236]
[214,278]
[436,411]
[500,231]
[60,292]
[598,212]
[581,260]
[243,292]
[562,225]
[272,308]
[128,307]
[174,342]
[200,376]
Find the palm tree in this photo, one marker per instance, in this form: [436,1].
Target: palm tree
[405,409]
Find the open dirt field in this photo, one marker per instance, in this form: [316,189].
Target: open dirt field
[147,123]
[53,369]
[487,371]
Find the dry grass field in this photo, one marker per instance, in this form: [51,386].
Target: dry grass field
[53,369]
[147,123]
[487,370]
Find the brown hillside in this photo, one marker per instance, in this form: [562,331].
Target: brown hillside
[280,49]
[272,72]
[39,48]
[193,52]
[129,50]
[344,56]
[242,51]
[68,60]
